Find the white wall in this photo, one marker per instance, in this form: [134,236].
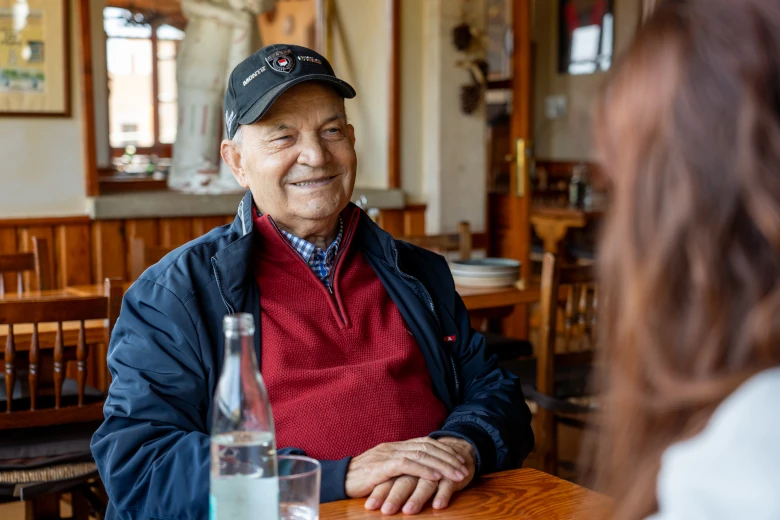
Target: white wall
[442,150]
[412,98]
[453,143]
[360,57]
[42,158]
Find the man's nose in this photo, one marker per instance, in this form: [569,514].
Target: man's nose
[313,152]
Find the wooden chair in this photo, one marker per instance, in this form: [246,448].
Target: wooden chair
[462,242]
[143,256]
[37,261]
[563,366]
[49,418]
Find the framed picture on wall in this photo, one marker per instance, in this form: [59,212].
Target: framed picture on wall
[586,32]
[34,58]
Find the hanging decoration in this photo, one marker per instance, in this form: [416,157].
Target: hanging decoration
[470,40]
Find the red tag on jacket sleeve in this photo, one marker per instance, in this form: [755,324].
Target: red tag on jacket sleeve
[449,339]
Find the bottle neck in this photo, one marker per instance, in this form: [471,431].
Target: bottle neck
[240,354]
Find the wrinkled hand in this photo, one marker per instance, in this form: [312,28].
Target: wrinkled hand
[412,492]
[423,458]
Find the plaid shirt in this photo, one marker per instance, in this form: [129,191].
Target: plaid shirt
[319,261]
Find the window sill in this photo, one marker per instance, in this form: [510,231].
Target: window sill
[110,184]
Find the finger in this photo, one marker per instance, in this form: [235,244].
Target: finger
[426,459]
[378,495]
[435,451]
[404,466]
[424,491]
[445,447]
[444,494]
[402,489]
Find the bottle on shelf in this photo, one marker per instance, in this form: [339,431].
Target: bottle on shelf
[578,186]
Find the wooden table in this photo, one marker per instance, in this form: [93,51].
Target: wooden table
[518,494]
[475,299]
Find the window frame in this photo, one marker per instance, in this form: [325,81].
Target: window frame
[164,150]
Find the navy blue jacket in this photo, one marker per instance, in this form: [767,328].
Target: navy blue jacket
[166,351]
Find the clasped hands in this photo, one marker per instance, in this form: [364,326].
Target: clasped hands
[405,475]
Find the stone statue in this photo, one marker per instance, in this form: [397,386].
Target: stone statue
[219,35]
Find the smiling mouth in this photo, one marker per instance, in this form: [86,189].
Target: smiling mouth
[314,182]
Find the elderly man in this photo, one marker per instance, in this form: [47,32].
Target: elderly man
[365,347]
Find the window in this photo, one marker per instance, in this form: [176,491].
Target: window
[586,34]
[142,104]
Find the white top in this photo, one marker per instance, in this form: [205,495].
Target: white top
[731,470]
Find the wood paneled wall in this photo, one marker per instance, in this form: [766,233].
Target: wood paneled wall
[83,251]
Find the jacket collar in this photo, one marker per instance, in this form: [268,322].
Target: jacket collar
[243,221]
[233,264]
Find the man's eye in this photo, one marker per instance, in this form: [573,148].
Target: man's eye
[283,138]
[333,130]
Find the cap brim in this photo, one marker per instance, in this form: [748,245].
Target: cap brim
[261,106]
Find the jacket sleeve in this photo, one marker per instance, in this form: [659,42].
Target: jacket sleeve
[332,477]
[492,414]
[152,450]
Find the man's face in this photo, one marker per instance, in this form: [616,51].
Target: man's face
[299,160]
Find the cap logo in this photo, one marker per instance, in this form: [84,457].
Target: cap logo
[310,58]
[253,75]
[280,61]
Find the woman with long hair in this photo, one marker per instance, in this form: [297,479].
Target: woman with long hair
[689,137]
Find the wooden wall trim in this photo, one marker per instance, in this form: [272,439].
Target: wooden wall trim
[87,100]
[82,250]
[521,127]
[394,92]
[44,221]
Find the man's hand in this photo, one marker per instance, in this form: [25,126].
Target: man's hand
[412,492]
[424,458]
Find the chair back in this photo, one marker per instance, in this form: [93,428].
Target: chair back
[36,261]
[143,256]
[41,320]
[578,331]
[460,241]
[571,353]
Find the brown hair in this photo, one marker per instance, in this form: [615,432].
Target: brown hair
[688,132]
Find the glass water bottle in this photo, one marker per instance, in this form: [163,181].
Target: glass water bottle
[244,473]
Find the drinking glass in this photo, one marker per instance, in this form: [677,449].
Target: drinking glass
[299,488]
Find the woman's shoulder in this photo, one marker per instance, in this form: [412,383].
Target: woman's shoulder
[732,468]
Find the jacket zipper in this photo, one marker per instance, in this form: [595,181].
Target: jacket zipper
[435,317]
[219,286]
[332,273]
[333,270]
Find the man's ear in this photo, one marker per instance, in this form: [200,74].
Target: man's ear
[351,133]
[232,157]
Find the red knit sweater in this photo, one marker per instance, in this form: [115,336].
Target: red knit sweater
[343,372]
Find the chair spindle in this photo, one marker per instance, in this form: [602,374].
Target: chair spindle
[34,368]
[81,362]
[59,368]
[10,368]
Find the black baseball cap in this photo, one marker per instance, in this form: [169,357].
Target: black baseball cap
[260,79]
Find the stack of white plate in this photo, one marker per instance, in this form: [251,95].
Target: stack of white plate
[485,272]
